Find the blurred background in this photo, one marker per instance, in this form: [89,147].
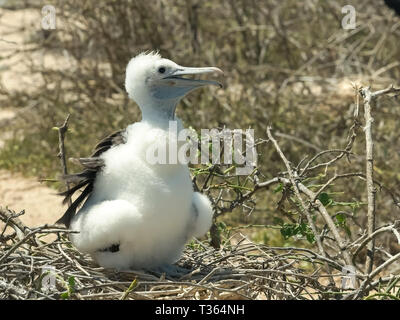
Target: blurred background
[288,64]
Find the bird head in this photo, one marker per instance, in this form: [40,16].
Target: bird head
[157,84]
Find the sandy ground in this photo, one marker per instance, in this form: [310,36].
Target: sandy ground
[41,204]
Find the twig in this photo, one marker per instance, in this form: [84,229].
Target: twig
[335,177]
[325,214]
[297,139]
[61,136]
[363,286]
[312,196]
[391,228]
[371,191]
[368,97]
[325,164]
[11,218]
[297,192]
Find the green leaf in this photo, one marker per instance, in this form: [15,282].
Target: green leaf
[64,295]
[310,237]
[324,198]
[341,218]
[288,230]
[278,188]
[221,226]
[303,229]
[71,283]
[278,221]
[132,286]
[347,229]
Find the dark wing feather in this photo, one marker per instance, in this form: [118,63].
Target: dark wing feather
[394,4]
[67,217]
[85,179]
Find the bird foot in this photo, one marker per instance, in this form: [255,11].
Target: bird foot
[170,270]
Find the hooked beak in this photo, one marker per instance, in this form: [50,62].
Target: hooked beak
[175,78]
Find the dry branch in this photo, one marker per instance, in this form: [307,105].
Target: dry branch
[312,196]
[368,97]
[241,271]
[61,146]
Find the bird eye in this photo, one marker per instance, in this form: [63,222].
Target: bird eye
[161,70]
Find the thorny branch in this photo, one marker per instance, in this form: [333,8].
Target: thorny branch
[371,191]
[293,181]
[368,97]
[61,136]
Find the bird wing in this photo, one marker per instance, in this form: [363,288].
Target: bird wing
[86,178]
[394,4]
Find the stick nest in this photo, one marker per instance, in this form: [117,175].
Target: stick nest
[32,268]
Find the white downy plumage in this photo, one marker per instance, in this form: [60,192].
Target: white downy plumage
[149,210]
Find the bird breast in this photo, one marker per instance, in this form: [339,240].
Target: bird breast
[150,187]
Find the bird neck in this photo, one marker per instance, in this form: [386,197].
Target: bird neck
[159,114]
